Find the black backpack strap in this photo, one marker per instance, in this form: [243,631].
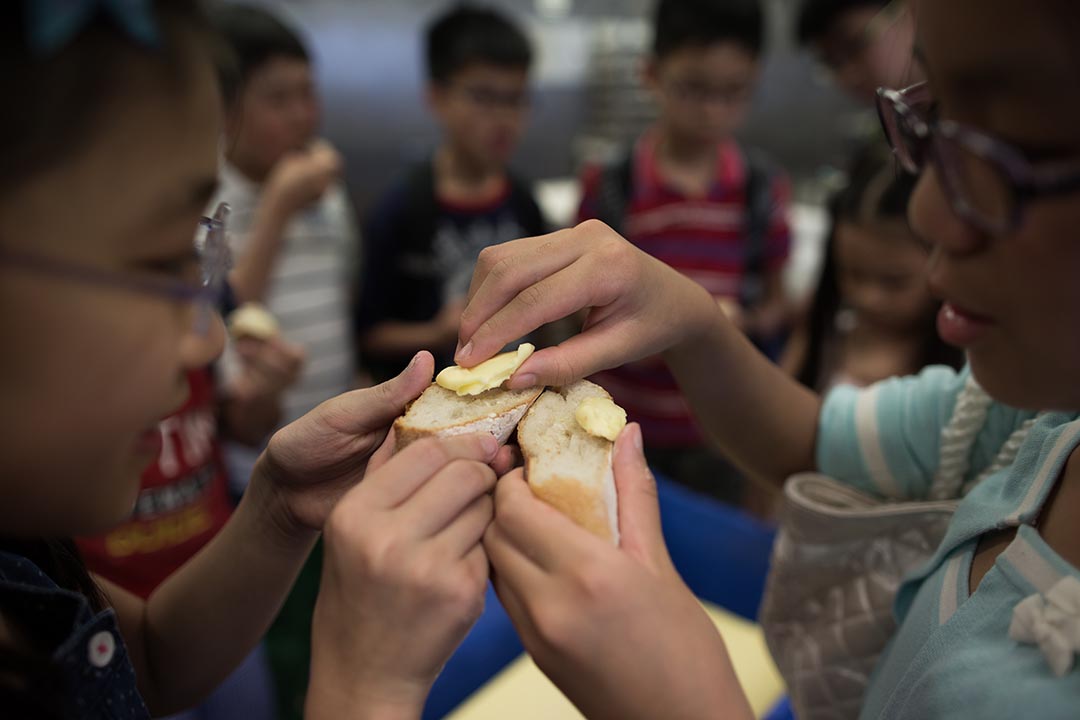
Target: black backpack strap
[526,211]
[760,173]
[613,192]
[421,208]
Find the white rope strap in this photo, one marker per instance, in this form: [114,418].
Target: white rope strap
[957,439]
[1007,455]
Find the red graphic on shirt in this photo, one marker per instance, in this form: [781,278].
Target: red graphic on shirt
[183,501]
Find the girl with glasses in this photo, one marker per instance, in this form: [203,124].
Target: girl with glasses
[990,626]
[108,157]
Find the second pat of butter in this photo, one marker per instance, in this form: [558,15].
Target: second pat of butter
[601,417]
[487,375]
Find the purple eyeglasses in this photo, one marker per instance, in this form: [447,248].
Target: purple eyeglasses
[986,181]
[207,292]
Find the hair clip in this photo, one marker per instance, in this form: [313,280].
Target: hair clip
[52,24]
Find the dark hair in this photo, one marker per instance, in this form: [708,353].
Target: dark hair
[877,189]
[698,23]
[817,16]
[252,36]
[52,102]
[470,34]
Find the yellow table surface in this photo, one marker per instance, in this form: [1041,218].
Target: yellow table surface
[522,692]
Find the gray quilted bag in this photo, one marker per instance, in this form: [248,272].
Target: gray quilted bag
[839,559]
[836,566]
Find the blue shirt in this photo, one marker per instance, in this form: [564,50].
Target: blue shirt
[952,655]
[86,649]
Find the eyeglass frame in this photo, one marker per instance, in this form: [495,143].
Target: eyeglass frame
[214,264]
[1026,181]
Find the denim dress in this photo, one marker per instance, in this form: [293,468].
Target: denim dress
[86,649]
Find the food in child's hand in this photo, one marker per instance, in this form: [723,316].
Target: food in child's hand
[566,434]
[253,320]
[567,466]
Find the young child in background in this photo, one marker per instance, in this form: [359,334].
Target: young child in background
[105,308]
[292,231]
[423,237]
[872,316]
[988,627]
[865,44]
[689,195]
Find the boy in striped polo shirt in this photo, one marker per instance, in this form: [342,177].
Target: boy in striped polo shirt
[689,195]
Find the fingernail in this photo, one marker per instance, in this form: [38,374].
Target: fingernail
[457,349]
[415,359]
[527,380]
[635,437]
[464,353]
[490,445]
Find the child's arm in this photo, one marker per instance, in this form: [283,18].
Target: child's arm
[639,307]
[205,618]
[298,180]
[394,338]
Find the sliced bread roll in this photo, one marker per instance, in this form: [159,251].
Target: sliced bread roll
[566,466]
[443,412]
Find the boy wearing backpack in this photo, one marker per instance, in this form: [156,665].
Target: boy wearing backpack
[422,239]
[691,196]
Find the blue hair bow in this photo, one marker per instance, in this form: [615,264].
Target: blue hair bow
[52,24]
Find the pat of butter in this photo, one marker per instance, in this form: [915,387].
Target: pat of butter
[487,375]
[601,417]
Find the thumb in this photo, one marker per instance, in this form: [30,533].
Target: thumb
[391,397]
[362,411]
[639,510]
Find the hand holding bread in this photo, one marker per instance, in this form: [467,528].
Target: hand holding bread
[404,576]
[615,628]
[637,306]
[565,434]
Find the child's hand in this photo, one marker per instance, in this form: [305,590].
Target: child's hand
[267,367]
[637,305]
[404,576]
[615,628]
[251,408]
[310,463]
[301,178]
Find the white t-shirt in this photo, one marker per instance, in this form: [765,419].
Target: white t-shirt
[310,293]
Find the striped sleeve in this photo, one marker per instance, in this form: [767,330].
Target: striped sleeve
[885,439]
